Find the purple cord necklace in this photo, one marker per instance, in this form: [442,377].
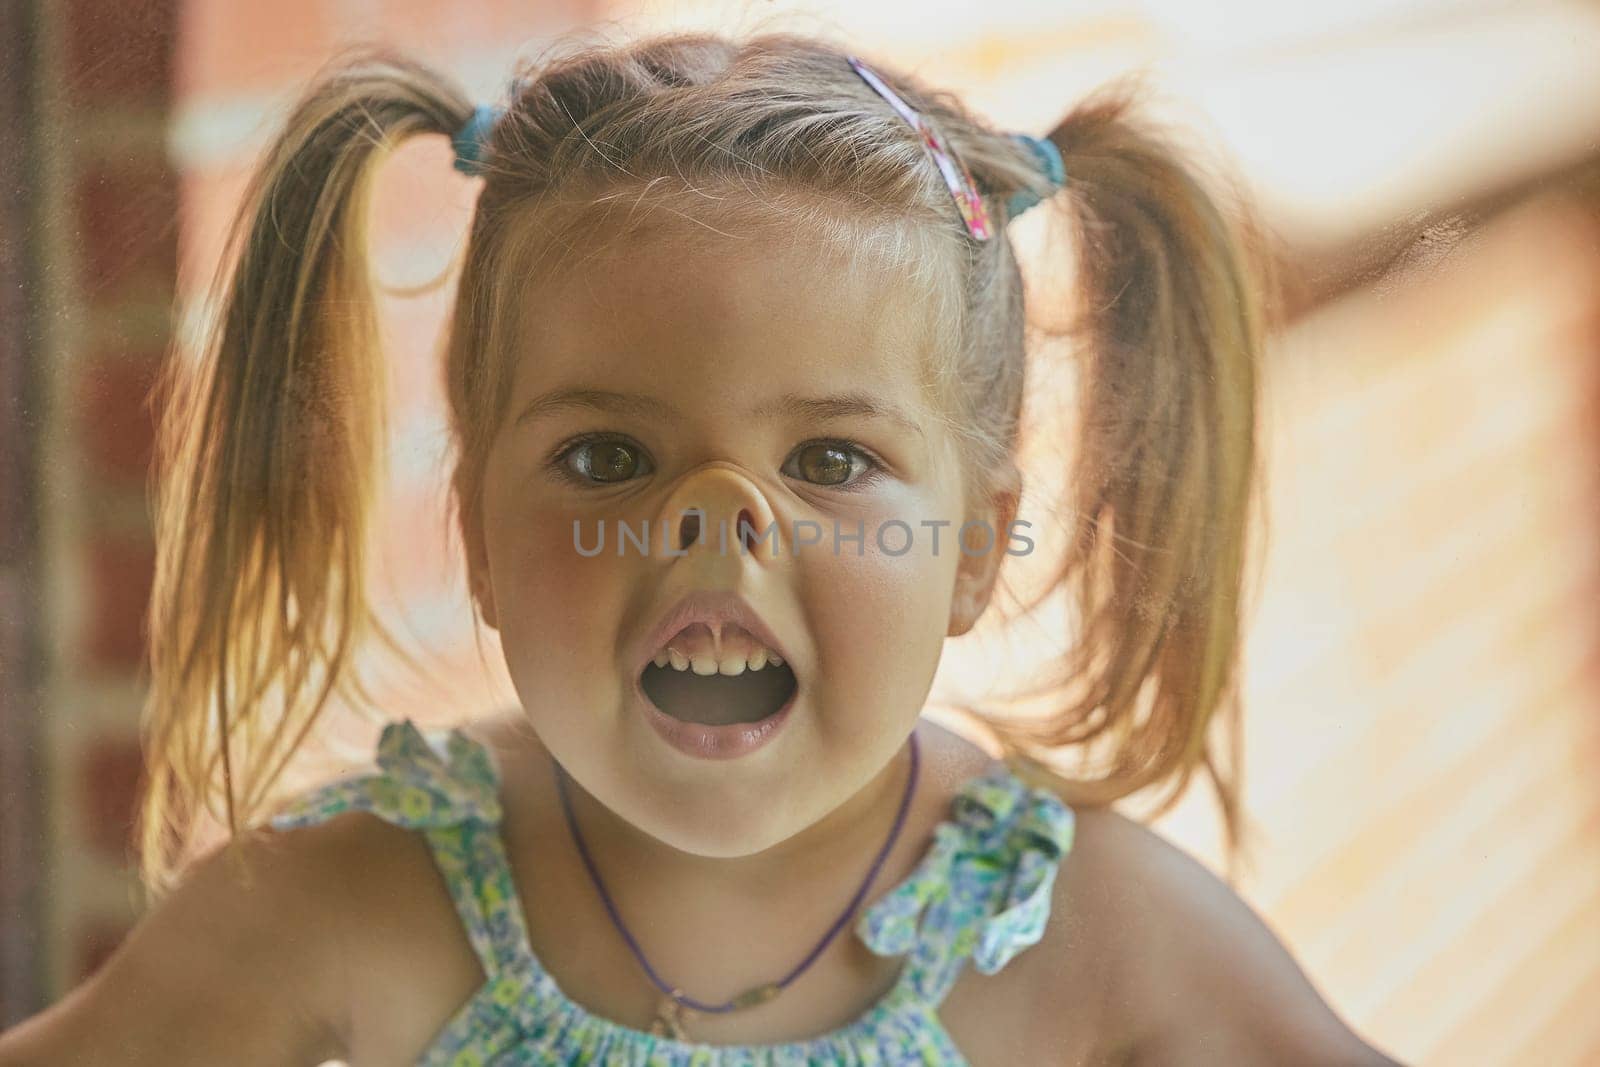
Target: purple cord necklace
[669,1013]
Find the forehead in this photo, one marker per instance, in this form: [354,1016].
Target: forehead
[712,318]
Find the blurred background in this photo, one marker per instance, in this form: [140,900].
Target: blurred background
[1422,674]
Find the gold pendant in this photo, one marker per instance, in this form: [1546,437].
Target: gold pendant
[669,1017]
[759,995]
[669,1013]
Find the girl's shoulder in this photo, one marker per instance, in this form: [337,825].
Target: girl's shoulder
[1175,959]
[1077,968]
[1110,961]
[401,947]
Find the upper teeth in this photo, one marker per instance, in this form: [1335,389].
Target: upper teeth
[729,651]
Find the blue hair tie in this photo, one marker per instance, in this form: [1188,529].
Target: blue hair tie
[1048,157]
[473,136]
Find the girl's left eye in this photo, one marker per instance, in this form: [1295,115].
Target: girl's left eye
[831,463]
[593,460]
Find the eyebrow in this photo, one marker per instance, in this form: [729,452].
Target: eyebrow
[641,406]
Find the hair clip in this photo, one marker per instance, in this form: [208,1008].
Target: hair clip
[961,185]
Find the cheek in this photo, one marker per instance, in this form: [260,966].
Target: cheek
[882,618]
[556,607]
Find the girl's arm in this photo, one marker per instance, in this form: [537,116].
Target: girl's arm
[1201,978]
[223,969]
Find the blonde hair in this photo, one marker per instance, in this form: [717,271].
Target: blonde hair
[268,458]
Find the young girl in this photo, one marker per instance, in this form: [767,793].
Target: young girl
[739,335]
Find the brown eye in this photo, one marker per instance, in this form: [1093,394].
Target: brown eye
[826,463]
[612,462]
[602,461]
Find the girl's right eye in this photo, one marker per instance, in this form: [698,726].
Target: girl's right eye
[593,460]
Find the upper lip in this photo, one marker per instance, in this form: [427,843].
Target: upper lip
[706,606]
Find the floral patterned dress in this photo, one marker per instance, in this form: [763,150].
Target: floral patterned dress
[981,892]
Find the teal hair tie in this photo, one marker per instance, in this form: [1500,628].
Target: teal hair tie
[473,136]
[1048,157]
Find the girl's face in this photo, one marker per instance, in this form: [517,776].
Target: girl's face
[702,370]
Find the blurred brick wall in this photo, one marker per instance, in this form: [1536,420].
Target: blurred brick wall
[109,253]
[22,880]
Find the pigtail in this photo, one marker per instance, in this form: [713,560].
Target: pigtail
[1172,323]
[267,465]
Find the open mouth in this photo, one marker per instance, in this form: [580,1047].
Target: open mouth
[691,681]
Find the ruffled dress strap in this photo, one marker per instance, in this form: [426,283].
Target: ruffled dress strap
[983,889]
[450,796]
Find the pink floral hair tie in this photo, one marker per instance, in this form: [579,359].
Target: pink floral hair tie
[962,187]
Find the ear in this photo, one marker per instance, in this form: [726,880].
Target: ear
[977,573]
[482,590]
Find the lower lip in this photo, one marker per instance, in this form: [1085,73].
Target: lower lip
[714,742]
